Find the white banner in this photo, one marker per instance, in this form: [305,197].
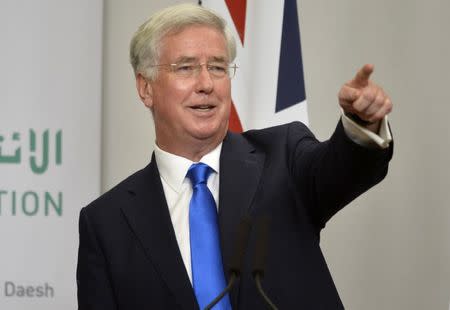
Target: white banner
[50,105]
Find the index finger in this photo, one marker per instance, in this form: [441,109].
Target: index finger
[362,77]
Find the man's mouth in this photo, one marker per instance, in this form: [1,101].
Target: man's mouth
[203,107]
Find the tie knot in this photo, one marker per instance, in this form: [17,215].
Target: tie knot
[199,173]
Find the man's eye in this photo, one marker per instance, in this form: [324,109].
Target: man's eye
[217,68]
[185,68]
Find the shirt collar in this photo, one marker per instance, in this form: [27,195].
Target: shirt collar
[173,168]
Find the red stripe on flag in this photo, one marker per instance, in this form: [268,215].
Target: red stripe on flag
[237,10]
[235,123]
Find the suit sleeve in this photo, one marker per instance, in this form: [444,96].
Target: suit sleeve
[331,174]
[94,285]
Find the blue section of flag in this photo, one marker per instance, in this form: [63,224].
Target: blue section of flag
[291,83]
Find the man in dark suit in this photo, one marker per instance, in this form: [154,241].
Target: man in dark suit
[136,241]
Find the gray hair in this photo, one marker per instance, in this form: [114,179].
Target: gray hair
[146,42]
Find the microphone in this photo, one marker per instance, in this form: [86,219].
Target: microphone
[259,262]
[236,260]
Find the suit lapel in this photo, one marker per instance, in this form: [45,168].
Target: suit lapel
[240,171]
[147,214]
[149,218]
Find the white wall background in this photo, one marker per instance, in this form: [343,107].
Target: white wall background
[390,249]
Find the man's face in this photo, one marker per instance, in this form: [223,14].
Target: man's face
[190,112]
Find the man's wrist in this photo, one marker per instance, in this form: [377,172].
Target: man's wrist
[358,120]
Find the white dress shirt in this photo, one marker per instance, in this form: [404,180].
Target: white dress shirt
[178,189]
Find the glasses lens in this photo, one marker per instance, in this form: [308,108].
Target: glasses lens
[216,70]
[184,70]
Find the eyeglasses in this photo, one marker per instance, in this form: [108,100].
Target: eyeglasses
[217,70]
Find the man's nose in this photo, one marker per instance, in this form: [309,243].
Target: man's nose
[205,83]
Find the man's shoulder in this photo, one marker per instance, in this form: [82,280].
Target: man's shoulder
[278,129]
[274,135]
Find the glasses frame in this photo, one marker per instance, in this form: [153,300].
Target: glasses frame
[232,67]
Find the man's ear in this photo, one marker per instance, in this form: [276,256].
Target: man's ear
[145,91]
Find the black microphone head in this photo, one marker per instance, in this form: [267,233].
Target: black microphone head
[262,239]
[242,236]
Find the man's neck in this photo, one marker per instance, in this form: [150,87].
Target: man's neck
[191,151]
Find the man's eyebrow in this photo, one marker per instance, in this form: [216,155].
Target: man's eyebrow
[183,59]
[218,59]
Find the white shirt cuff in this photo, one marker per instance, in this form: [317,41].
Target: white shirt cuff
[365,137]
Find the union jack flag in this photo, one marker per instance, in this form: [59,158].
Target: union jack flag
[269,87]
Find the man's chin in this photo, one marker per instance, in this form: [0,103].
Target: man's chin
[211,134]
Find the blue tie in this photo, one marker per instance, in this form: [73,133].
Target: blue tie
[208,279]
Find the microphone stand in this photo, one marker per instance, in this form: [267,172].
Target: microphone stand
[237,259]
[233,277]
[259,262]
[258,277]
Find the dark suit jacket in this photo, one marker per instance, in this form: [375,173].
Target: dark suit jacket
[129,257]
